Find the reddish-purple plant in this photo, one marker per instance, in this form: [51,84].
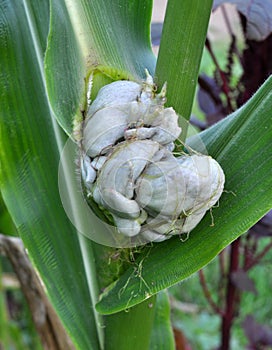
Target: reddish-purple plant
[217,97]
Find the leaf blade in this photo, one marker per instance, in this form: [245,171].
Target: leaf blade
[131,329]
[162,336]
[258,14]
[29,147]
[112,38]
[180,54]
[244,149]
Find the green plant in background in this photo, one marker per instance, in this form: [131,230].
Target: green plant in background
[48,52]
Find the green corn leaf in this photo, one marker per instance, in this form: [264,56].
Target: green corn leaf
[162,336]
[31,140]
[129,330]
[183,37]
[109,38]
[242,145]
[29,151]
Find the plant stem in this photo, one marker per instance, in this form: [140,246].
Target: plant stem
[257,258]
[231,297]
[222,279]
[207,294]
[225,86]
[232,35]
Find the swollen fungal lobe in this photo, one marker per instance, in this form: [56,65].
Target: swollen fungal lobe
[129,170]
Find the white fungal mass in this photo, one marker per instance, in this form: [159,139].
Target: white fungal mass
[129,170]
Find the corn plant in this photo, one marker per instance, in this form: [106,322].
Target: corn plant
[55,58]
